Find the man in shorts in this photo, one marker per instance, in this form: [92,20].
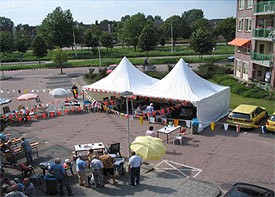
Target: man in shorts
[108,167]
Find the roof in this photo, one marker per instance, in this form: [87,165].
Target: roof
[239,42]
[183,84]
[245,108]
[126,77]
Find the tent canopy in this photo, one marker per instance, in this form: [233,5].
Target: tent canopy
[126,77]
[181,83]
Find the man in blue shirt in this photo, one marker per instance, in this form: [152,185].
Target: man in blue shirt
[59,172]
[25,144]
[134,168]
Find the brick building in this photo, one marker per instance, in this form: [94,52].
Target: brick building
[255,42]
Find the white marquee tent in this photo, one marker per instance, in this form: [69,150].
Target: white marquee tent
[125,77]
[211,100]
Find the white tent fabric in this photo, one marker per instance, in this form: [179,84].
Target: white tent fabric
[125,77]
[211,100]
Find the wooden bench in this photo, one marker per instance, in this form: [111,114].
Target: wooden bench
[17,150]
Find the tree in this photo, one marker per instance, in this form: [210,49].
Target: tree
[22,43]
[148,39]
[178,26]
[59,57]
[132,28]
[191,16]
[226,28]
[39,47]
[203,23]
[201,41]
[57,28]
[91,37]
[106,40]
[6,42]
[6,24]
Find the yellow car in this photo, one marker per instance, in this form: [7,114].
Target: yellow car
[270,123]
[247,116]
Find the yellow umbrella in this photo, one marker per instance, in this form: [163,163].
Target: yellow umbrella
[149,148]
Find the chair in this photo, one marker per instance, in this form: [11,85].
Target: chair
[115,149]
[180,135]
[26,169]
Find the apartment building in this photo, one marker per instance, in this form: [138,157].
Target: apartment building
[255,42]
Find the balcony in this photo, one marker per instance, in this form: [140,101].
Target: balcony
[262,59]
[262,32]
[264,7]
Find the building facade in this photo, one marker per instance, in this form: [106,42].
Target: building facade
[255,42]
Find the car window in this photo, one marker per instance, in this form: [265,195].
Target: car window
[240,115]
[258,111]
[272,118]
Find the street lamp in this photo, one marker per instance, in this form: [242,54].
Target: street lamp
[127,95]
[75,54]
[172,37]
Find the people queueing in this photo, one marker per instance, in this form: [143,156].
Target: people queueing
[25,144]
[97,170]
[75,91]
[29,188]
[135,163]
[58,171]
[81,167]
[151,132]
[108,167]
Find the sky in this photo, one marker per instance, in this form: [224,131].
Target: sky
[33,12]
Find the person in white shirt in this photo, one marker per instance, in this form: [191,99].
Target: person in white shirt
[135,162]
[149,110]
[151,132]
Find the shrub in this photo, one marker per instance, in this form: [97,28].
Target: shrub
[218,78]
[254,93]
[229,82]
[238,89]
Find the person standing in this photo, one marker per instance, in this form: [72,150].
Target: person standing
[135,162]
[29,189]
[149,110]
[75,91]
[25,144]
[58,171]
[108,167]
[151,132]
[97,169]
[81,166]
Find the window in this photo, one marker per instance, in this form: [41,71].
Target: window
[249,4]
[259,73]
[240,24]
[238,66]
[241,4]
[248,24]
[245,68]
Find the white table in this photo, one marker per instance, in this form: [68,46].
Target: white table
[168,130]
[86,147]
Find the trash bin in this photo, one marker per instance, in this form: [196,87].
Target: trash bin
[51,184]
[195,126]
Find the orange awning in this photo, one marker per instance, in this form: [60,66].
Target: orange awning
[239,42]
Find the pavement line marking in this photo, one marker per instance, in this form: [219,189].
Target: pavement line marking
[170,163]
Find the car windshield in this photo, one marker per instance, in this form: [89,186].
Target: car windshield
[272,118]
[111,68]
[240,115]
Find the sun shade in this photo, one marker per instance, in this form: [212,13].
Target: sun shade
[239,42]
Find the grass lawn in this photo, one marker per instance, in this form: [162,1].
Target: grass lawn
[237,100]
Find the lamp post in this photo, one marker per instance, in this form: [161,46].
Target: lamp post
[127,95]
[75,54]
[172,37]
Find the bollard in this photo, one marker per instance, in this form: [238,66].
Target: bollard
[212,125]
[238,128]
[141,120]
[225,125]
